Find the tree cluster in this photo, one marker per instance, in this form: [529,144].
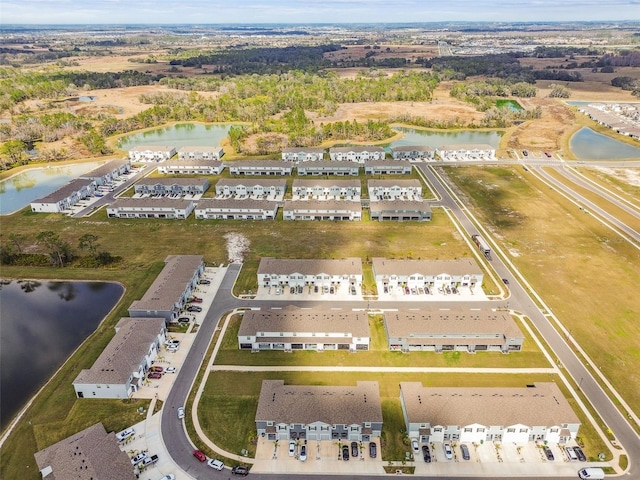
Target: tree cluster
[51,249]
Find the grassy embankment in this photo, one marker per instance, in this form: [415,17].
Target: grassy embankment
[585,272]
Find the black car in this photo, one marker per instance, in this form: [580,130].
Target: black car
[240,470]
[548,453]
[505,281]
[373,450]
[292,290]
[580,454]
[204,281]
[184,320]
[354,449]
[426,454]
[194,308]
[345,452]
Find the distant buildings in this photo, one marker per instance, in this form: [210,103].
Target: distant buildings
[171,186]
[321,272]
[322,210]
[200,153]
[433,274]
[171,208]
[155,153]
[236,209]
[356,154]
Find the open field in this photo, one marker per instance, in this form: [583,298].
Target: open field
[624,182]
[585,272]
[379,354]
[232,398]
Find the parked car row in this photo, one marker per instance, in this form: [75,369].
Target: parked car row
[219,465]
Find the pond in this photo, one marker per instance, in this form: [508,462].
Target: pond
[510,104]
[589,145]
[43,322]
[180,135]
[20,190]
[436,139]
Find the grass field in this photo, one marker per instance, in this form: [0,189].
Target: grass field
[584,271]
[379,354]
[232,400]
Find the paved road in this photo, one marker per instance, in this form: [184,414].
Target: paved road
[588,206]
[180,447]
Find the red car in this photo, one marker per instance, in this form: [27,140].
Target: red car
[196,300]
[199,455]
[156,375]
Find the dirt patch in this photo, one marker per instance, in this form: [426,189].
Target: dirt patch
[627,175]
[237,246]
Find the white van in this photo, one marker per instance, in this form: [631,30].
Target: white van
[571,454]
[123,435]
[591,473]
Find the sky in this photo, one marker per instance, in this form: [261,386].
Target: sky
[311,11]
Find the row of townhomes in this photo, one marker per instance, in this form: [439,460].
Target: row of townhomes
[623,118]
[293,328]
[318,329]
[435,274]
[259,199]
[122,366]
[80,188]
[352,154]
[431,414]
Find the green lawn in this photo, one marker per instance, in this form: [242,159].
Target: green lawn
[230,400]
[379,354]
[585,272]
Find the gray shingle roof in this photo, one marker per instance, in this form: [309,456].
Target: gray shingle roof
[65,191]
[285,266]
[107,168]
[185,182]
[413,183]
[146,202]
[170,283]
[91,454]
[322,206]
[236,204]
[249,182]
[455,322]
[302,182]
[307,404]
[294,319]
[543,405]
[460,266]
[366,148]
[399,206]
[124,353]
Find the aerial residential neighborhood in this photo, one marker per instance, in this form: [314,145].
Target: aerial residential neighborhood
[247,240]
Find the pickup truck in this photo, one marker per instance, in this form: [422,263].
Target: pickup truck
[150,460]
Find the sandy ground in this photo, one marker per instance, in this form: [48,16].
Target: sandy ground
[627,175]
[237,246]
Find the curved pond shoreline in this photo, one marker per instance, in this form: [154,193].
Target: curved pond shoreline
[44,322]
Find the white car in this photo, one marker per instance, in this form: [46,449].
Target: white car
[170,476]
[215,464]
[124,434]
[414,446]
[292,448]
[173,348]
[138,458]
[180,413]
[170,370]
[172,342]
[447,451]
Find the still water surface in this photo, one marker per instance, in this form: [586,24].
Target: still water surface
[589,145]
[437,139]
[180,135]
[20,190]
[41,324]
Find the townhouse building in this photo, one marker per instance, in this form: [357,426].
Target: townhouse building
[433,274]
[273,188]
[388,167]
[151,153]
[121,368]
[322,167]
[65,197]
[303,154]
[191,167]
[293,328]
[394,189]
[457,330]
[91,454]
[171,186]
[200,153]
[260,167]
[537,412]
[170,208]
[309,412]
[322,210]
[234,209]
[466,152]
[172,288]
[356,154]
[326,189]
[301,272]
[400,210]
[107,173]
[413,152]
